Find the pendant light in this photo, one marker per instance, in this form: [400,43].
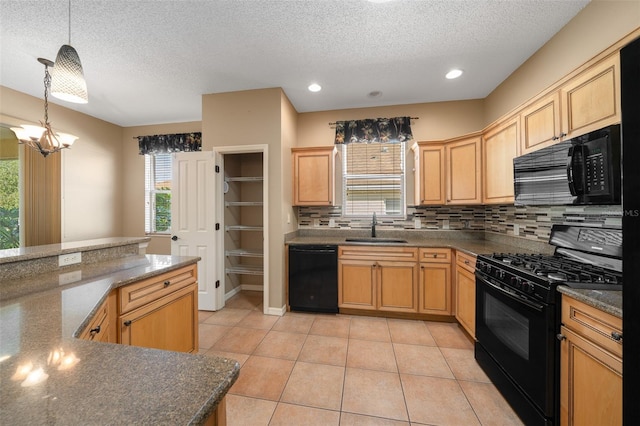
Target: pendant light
[67,77]
[42,138]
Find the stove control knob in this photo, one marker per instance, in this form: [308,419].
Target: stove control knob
[514,282]
[500,274]
[527,287]
[518,283]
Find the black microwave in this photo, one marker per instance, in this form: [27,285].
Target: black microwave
[579,171]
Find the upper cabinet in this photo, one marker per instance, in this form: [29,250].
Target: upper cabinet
[591,100]
[429,174]
[313,170]
[587,101]
[500,146]
[464,185]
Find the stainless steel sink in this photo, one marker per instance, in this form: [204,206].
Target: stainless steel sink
[375,240]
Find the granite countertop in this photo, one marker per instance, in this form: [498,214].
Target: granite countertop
[605,300]
[109,383]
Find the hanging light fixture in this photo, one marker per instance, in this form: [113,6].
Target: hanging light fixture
[67,77]
[42,138]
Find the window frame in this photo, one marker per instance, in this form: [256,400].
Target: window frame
[151,193]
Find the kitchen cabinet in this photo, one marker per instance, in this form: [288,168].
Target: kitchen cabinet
[101,326]
[500,145]
[429,174]
[313,176]
[590,365]
[541,124]
[378,278]
[161,312]
[463,159]
[591,100]
[465,292]
[434,285]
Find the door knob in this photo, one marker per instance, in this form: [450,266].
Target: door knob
[174,238]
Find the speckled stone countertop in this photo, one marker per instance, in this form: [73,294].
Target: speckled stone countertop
[109,383]
[606,300]
[470,242]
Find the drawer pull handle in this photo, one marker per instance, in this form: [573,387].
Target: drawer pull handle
[616,336]
[466,262]
[435,255]
[94,331]
[127,323]
[560,337]
[166,283]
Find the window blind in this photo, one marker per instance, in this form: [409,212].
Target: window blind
[157,193]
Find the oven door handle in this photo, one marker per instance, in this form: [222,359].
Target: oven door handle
[537,306]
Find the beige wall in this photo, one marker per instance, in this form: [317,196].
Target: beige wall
[91,169]
[599,25]
[254,117]
[437,121]
[133,181]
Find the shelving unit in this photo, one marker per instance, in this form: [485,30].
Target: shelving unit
[244,259]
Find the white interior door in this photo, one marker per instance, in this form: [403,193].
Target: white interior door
[193,221]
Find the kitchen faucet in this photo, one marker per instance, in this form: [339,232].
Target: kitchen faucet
[373,226]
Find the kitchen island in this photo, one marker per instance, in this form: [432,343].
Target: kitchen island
[48,375]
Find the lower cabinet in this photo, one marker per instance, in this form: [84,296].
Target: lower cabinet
[161,312]
[434,285]
[465,289]
[378,278]
[590,366]
[102,328]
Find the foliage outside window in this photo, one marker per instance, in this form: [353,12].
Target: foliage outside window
[157,193]
[9,204]
[373,179]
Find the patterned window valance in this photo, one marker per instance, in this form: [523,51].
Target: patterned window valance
[161,144]
[388,130]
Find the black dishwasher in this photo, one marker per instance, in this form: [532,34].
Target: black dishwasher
[313,278]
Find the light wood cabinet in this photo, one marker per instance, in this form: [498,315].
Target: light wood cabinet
[500,145]
[465,292]
[161,312]
[313,176]
[429,174]
[541,124]
[378,278]
[434,285]
[463,159]
[591,100]
[590,365]
[101,327]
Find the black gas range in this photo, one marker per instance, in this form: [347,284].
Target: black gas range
[518,312]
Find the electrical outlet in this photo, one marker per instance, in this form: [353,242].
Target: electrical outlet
[445,224]
[516,229]
[316,222]
[332,223]
[69,259]
[69,277]
[417,223]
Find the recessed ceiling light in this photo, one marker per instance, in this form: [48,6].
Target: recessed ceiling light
[453,74]
[374,94]
[315,87]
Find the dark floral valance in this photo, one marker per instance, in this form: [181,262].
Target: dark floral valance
[372,130]
[162,144]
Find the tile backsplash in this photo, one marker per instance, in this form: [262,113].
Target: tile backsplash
[524,221]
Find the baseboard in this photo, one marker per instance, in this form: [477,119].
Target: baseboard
[252,287]
[276,311]
[232,293]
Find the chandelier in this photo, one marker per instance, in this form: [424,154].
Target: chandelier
[42,138]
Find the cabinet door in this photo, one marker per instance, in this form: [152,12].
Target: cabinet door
[590,383]
[435,289]
[591,100]
[499,148]
[430,187]
[466,300]
[541,123]
[397,286]
[356,284]
[169,323]
[313,177]
[464,185]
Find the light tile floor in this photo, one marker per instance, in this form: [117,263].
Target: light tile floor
[315,369]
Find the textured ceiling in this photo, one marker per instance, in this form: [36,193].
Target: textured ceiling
[149,62]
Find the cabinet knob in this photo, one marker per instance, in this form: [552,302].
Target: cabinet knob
[166,283]
[127,323]
[562,135]
[94,331]
[616,336]
[466,262]
[435,255]
[560,337]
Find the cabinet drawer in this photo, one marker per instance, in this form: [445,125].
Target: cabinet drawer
[98,328]
[137,294]
[466,261]
[602,328]
[438,255]
[399,254]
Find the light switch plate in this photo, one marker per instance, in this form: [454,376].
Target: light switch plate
[69,259]
[516,229]
[332,223]
[417,223]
